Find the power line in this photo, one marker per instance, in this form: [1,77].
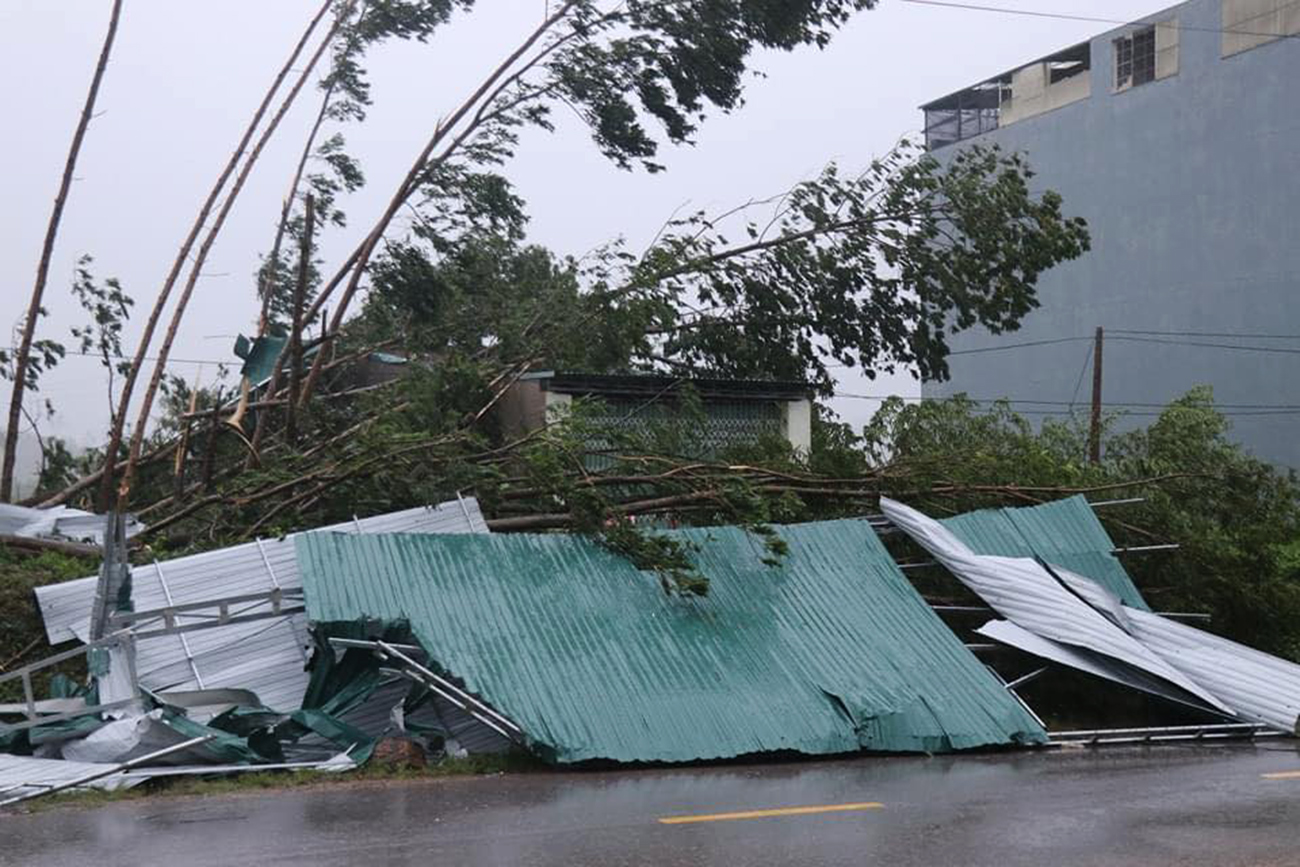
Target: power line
[1063,16]
[1130,337]
[1253,335]
[1006,346]
[1087,362]
[99,355]
[1280,350]
[1288,407]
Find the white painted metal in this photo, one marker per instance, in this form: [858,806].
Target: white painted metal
[1030,596]
[264,656]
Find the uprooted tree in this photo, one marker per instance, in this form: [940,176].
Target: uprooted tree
[872,270]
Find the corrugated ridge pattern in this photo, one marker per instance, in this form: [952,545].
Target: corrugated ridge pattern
[1256,685]
[1063,532]
[1022,591]
[265,656]
[832,652]
[26,775]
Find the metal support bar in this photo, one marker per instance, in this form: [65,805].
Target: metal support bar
[1025,678]
[115,769]
[1024,704]
[180,629]
[439,685]
[1104,503]
[1139,548]
[1213,731]
[469,522]
[62,656]
[920,564]
[7,728]
[965,609]
[27,695]
[185,644]
[467,701]
[275,598]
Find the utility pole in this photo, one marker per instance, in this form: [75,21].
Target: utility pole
[1094,432]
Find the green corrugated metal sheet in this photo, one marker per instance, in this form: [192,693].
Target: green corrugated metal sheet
[1065,532]
[832,652]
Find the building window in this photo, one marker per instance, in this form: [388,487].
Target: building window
[1135,58]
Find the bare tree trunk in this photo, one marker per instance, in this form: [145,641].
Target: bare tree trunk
[137,364]
[23,356]
[259,427]
[295,336]
[164,351]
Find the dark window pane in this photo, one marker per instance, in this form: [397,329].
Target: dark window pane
[1144,56]
[1123,61]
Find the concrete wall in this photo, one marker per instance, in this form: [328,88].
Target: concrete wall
[1191,187]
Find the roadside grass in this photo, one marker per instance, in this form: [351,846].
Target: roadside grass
[254,781]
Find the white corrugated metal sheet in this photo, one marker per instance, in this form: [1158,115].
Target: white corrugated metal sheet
[1050,623]
[26,776]
[1086,661]
[264,656]
[1255,685]
[1025,593]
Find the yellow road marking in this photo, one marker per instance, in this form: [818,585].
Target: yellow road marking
[763,814]
[1282,775]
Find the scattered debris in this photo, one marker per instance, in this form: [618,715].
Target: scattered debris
[267,651]
[59,522]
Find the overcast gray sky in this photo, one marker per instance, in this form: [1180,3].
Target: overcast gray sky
[185,76]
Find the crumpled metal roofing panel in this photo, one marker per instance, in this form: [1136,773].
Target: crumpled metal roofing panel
[1025,593]
[1254,685]
[833,651]
[59,522]
[264,656]
[1063,532]
[1087,661]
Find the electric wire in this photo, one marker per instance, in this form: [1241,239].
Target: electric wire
[1065,16]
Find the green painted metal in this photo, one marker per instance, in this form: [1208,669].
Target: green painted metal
[831,652]
[1064,532]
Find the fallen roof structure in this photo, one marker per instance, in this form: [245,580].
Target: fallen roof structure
[1029,595]
[1063,532]
[1058,614]
[265,652]
[832,651]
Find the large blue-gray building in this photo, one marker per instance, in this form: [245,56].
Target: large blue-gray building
[1178,139]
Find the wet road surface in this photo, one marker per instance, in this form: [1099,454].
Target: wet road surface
[1166,805]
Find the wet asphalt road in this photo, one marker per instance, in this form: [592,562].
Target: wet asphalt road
[1167,805]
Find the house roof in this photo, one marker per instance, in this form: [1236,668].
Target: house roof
[657,385]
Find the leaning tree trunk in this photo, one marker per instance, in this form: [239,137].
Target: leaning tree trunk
[182,256]
[23,356]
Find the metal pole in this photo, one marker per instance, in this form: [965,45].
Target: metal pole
[1136,548]
[1025,678]
[1094,431]
[185,643]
